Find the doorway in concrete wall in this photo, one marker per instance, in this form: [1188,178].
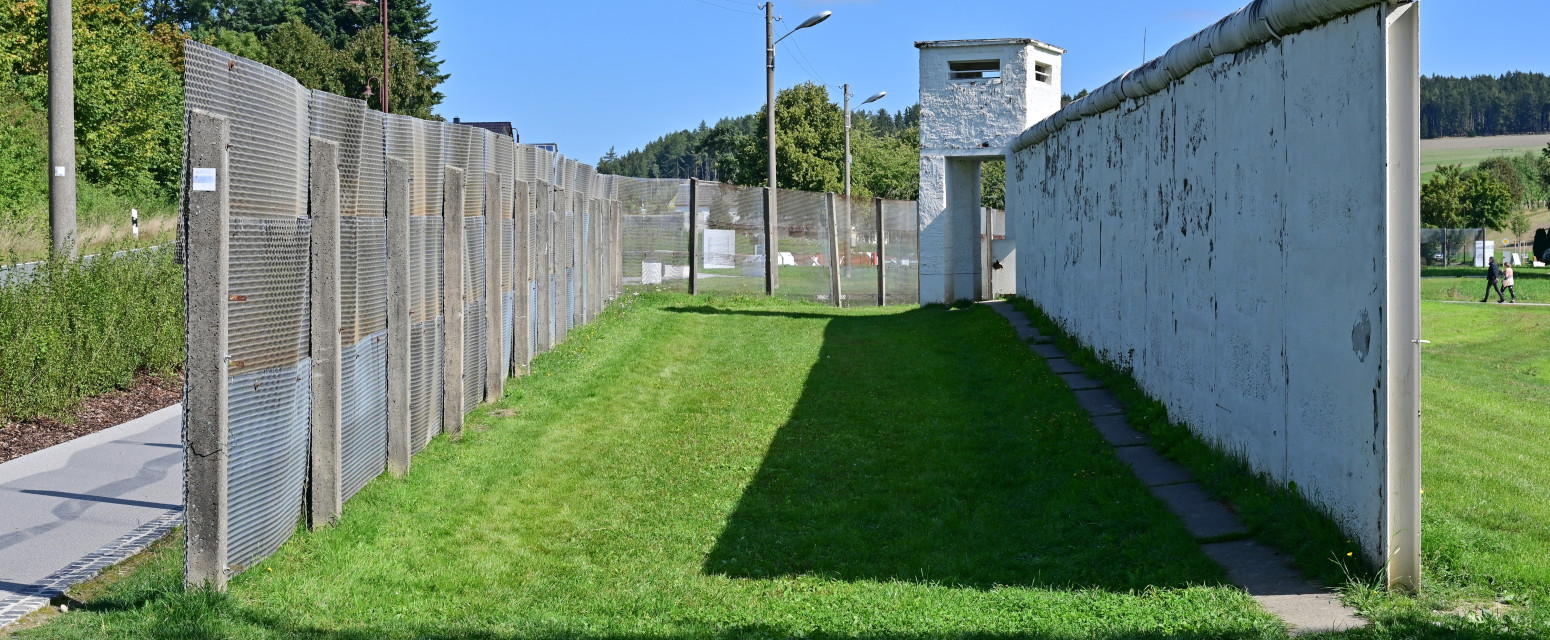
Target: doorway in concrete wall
[999,248]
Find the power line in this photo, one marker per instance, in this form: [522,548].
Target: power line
[723,6]
[812,67]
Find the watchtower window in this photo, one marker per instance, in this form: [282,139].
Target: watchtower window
[974,69]
[1043,73]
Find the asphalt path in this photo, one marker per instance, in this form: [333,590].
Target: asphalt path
[70,510]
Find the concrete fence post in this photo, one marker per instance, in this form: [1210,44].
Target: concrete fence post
[399,298]
[452,302]
[521,275]
[882,262]
[205,428]
[494,378]
[694,231]
[325,497]
[834,248]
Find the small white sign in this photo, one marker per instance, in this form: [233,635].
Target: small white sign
[59,172]
[204,179]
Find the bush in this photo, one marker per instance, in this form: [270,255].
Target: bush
[77,329]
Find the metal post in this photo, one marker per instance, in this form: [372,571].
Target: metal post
[1404,297]
[694,230]
[771,243]
[325,496]
[400,296]
[205,427]
[882,259]
[494,377]
[987,289]
[61,128]
[834,250]
[453,301]
[387,91]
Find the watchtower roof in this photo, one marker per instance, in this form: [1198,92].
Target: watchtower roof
[944,44]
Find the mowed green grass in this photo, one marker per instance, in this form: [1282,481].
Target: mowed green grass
[691,468]
[1433,158]
[1486,451]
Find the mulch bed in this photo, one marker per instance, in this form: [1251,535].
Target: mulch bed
[146,393]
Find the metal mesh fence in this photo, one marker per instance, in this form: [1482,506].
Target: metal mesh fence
[857,250]
[901,227]
[1441,247]
[802,238]
[730,248]
[570,239]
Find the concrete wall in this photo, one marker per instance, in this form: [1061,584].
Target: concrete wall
[1227,239]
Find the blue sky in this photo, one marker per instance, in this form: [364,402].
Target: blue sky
[594,74]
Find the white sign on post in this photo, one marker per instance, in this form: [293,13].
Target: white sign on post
[204,179]
[1483,248]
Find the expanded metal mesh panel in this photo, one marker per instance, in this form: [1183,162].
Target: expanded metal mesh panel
[508,271]
[857,219]
[901,224]
[362,276]
[584,289]
[268,283]
[268,413]
[465,150]
[730,248]
[802,232]
[267,114]
[504,155]
[426,354]
[474,325]
[508,328]
[585,179]
[363,424]
[358,132]
[423,144]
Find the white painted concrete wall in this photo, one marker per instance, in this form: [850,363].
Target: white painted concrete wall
[1224,238]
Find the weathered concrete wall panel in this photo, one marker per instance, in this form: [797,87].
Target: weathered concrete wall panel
[1224,238]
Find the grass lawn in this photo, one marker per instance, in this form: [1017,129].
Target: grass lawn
[692,468]
[1467,284]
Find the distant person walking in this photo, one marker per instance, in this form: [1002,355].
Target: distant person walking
[1491,276]
[1507,281]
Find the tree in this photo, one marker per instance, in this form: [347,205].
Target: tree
[304,55]
[993,184]
[1518,224]
[128,94]
[1486,201]
[1442,205]
[1506,172]
[413,93]
[809,142]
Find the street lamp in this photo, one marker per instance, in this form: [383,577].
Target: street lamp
[382,13]
[771,275]
[875,97]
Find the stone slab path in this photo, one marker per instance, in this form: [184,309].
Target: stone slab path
[76,508]
[1264,573]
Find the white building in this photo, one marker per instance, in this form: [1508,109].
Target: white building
[976,96]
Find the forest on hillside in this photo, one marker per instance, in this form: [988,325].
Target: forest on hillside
[1513,103]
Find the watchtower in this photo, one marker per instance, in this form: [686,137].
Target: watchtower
[976,96]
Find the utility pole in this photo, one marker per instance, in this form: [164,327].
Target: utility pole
[61,128]
[772,257]
[846,91]
[387,91]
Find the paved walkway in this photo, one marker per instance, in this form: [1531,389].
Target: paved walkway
[76,508]
[1260,570]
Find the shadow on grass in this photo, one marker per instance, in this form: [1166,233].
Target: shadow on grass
[925,448]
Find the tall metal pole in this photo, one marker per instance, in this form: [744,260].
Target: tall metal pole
[387,92]
[61,128]
[848,221]
[770,222]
